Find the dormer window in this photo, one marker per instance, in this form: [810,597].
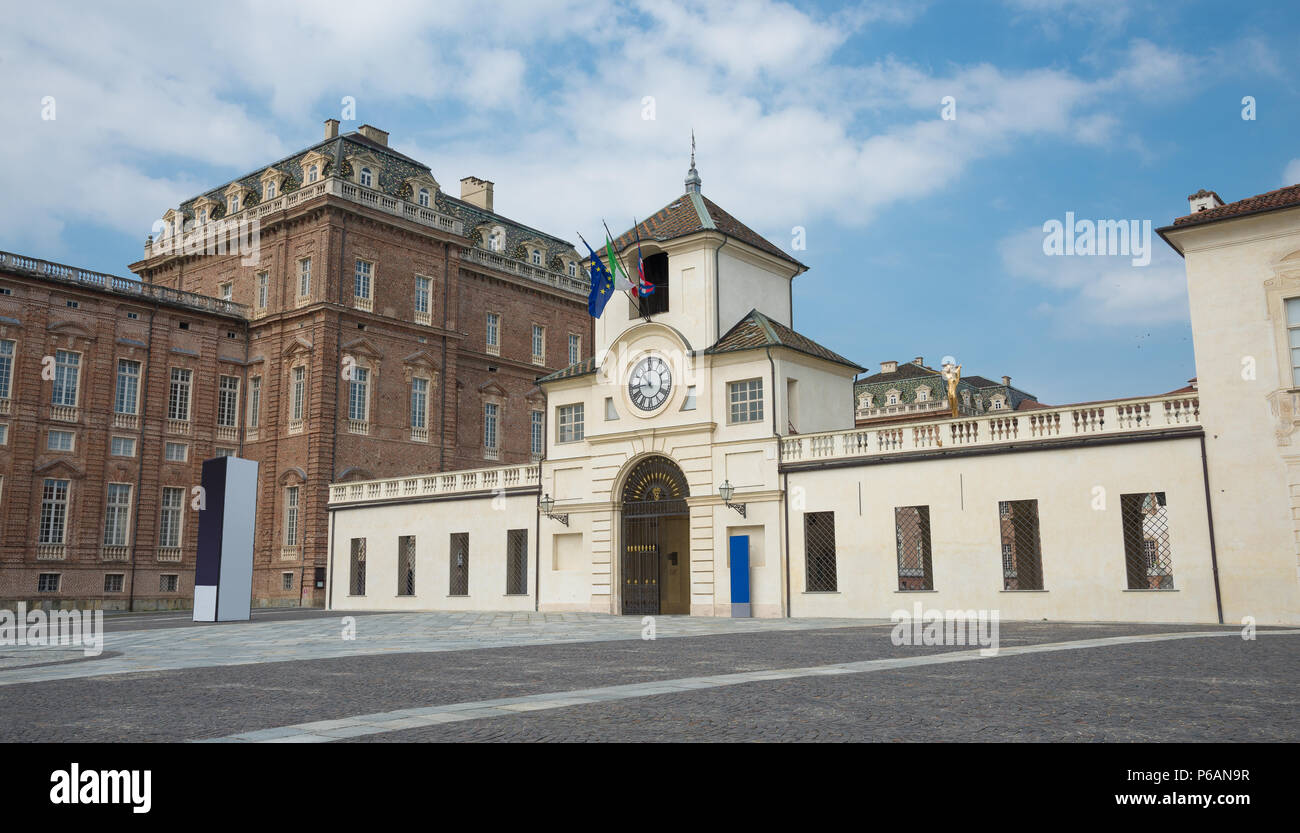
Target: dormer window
[536,257]
[233,205]
[923,395]
[497,239]
[366,177]
[313,173]
[573,269]
[424,197]
[203,216]
[893,399]
[270,190]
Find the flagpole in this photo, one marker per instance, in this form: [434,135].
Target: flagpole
[631,295]
[589,247]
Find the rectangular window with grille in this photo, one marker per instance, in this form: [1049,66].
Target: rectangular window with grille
[227,401]
[169,523]
[117,513]
[168,583]
[47,583]
[113,582]
[535,433]
[1022,553]
[516,562]
[406,565]
[912,539]
[359,394]
[1148,558]
[361,287]
[569,426]
[178,399]
[419,402]
[357,568]
[291,516]
[286,581]
[54,511]
[821,575]
[746,399]
[128,387]
[490,426]
[299,383]
[67,373]
[6,368]
[254,401]
[459,563]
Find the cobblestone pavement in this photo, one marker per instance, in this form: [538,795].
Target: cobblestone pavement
[1207,688]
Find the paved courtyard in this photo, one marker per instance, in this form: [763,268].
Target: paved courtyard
[296,677]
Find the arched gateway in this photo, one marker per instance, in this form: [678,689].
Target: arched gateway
[656,540]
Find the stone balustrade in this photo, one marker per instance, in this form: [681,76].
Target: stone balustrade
[431,485]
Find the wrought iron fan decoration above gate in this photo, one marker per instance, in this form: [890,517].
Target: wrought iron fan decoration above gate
[656,486]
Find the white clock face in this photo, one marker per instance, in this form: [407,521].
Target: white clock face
[651,383]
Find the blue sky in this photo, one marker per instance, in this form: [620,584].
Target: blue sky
[923,234]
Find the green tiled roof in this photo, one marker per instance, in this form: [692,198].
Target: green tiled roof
[581,368]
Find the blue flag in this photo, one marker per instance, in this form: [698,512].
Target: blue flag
[602,285]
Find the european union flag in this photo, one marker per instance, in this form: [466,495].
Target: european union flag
[602,285]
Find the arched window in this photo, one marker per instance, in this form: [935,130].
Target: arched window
[312,173]
[424,197]
[537,257]
[366,178]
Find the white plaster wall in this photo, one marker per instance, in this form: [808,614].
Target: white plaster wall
[1082,547]
[1228,265]
[432,522]
[746,283]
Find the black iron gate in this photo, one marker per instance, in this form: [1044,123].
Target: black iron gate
[655,491]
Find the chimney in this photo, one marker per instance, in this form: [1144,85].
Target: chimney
[889,367]
[331,128]
[1203,200]
[1006,381]
[919,361]
[477,192]
[374,134]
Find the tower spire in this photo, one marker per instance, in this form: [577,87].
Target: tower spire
[693,176]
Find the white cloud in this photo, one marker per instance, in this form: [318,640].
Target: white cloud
[1291,176]
[1099,291]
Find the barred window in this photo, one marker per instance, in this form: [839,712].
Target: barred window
[286,581]
[169,522]
[1148,558]
[912,539]
[516,562]
[113,582]
[361,287]
[227,401]
[291,516]
[1022,555]
[178,399]
[820,570]
[357,570]
[459,562]
[67,373]
[54,511]
[419,402]
[406,565]
[168,583]
[6,368]
[128,387]
[117,511]
[359,394]
[47,583]
[535,433]
[570,423]
[746,400]
[490,425]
